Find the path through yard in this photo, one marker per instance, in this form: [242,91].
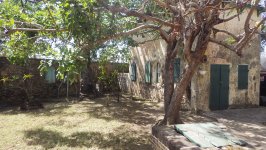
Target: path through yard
[88,124]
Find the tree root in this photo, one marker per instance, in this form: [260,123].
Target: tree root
[161,122]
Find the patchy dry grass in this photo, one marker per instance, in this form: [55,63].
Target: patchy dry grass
[83,125]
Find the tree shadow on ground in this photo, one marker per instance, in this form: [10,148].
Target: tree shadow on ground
[252,133]
[127,110]
[190,117]
[116,140]
[246,124]
[241,115]
[50,109]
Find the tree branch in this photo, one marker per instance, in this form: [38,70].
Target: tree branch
[150,40]
[34,30]
[188,41]
[164,35]
[130,32]
[247,27]
[227,19]
[124,10]
[25,24]
[248,35]
[165,5]
[226,32]
[258,25]
[222,44]
[143,6]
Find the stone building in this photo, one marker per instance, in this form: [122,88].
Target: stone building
[224,81]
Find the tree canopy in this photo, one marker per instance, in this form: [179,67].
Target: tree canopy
[37,26]
[72,31]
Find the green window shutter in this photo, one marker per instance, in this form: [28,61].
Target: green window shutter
[158,69]
[133,72]
[50,75]
[242,77]
[148,72]
[176,69]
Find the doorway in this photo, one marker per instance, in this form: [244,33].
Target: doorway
[219,87]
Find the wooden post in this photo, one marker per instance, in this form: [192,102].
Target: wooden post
[107,100]
[67,86]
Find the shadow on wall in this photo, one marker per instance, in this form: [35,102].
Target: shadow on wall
[124,81]
[149,52]
[143,90]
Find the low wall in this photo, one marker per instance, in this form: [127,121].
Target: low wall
[166,138]
[40,87]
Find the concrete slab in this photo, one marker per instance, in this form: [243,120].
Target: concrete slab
[247,124]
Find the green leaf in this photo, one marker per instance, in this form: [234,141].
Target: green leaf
[230,40]
[1,23]
[11,22]
[27,76]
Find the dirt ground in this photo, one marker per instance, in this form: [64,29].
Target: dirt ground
[91,124]
[88,124]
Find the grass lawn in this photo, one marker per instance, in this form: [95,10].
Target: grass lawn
[88,124]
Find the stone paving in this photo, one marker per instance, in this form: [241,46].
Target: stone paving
[247,124]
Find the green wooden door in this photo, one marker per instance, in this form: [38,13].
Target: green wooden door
[224,87]
[215,88]
[219,88]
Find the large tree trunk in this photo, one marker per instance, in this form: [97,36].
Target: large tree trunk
[168,77]
[173,96]
[173,113]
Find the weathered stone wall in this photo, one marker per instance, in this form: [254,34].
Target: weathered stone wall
[154,51]
[220,55]
[124,82]
[40,89]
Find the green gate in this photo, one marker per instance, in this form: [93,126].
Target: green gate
[219,89]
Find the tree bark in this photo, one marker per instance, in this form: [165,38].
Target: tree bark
[168,77]
[173,113]
[173,98]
